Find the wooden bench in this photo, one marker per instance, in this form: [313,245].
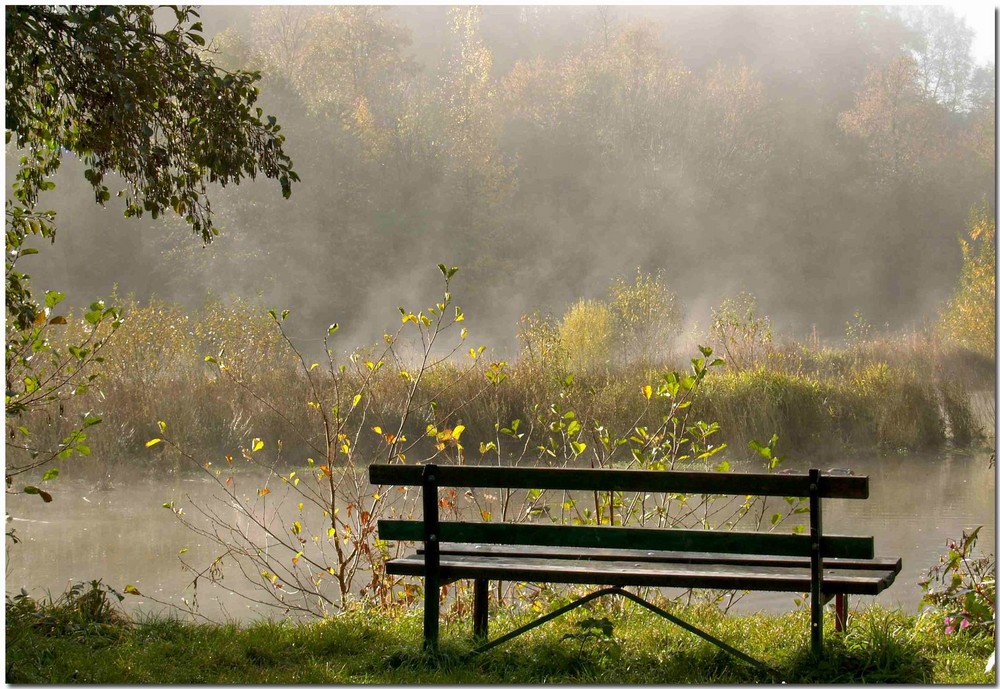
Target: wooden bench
[825,566]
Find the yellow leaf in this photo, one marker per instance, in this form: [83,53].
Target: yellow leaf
[131,589]
[357,398]
[258,444]
[152,442]
[457,432]
[647,390]
[377,429]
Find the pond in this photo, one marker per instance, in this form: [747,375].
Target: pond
[124,536]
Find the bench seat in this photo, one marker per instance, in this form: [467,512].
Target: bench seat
[616,566]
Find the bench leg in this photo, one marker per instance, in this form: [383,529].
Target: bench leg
[432,603]
[840,616]
[481,609]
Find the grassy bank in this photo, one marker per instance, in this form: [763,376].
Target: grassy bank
[884,395]
[361,647]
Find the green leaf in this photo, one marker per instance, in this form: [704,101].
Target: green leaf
[52,298]
[50,474]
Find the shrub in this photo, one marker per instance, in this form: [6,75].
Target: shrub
[963,586]
[742,334]
[970,317]
[587,335]
[647,317]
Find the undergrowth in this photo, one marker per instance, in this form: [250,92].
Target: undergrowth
[595,644]
[902,395]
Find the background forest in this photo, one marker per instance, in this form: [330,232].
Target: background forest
[824,159]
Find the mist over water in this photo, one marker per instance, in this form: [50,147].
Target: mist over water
[124,536]
[548,150]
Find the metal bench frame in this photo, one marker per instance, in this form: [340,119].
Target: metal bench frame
[517,540]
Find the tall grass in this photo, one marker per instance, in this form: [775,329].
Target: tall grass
[903,394]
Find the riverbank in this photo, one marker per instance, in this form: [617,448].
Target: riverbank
[60,644]
[891,395]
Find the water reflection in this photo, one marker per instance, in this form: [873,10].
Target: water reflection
[125,536]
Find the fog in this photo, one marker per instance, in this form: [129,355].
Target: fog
[823,158]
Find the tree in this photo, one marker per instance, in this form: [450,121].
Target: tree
[897,122]
[134,103]
[941,48]
[970,317]
[103,84]
[732,134]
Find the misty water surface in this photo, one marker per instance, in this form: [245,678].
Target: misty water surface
[125,536]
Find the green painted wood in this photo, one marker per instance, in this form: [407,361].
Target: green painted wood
[432,574]
[631,555]
[741,577]
[701,482]
[816,563]
[621,537]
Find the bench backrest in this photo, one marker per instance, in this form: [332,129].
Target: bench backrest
[813,485]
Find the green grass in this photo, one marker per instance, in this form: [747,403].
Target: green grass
[367,646]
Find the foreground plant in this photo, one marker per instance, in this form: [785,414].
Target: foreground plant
[963,586]
[302,528]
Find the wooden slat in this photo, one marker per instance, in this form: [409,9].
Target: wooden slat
[691,557]
[701,482]
[680,575]
[622,537]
